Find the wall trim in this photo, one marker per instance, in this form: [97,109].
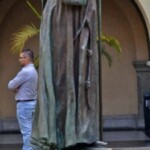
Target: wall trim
[124,122]
[9,125]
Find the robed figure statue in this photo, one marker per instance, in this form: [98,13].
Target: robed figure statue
[67,112]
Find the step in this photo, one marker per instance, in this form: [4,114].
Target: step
[130,135]
[10,146]
[10,138]
[128,141]
[132,148]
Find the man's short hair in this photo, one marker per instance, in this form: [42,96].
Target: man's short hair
[29,52]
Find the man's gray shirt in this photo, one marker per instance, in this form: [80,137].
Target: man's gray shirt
[26,83]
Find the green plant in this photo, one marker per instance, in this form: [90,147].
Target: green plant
[112,42]
[22,36]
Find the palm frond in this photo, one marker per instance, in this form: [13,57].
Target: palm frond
[19,38]
[36,62]
[112,42]
[33,9]
[107,56]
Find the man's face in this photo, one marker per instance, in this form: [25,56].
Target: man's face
[23,59]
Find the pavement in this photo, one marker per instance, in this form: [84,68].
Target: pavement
[117,140]
[127,140]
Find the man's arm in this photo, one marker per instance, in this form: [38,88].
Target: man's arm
[15,83]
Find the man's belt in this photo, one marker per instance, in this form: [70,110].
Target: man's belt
[28,100]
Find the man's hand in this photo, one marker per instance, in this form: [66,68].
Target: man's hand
[15,90]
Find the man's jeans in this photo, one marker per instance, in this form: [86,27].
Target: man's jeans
[25,111]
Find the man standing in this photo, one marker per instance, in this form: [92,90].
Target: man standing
[24,85]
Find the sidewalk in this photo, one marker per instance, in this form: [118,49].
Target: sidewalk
[132,138]
[117,140]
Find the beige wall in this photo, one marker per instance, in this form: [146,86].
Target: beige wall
[17,15]
[121,19]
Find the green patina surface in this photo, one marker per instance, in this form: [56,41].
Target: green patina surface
[67,111]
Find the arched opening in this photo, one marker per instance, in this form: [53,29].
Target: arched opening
[119,82]
[16,14]
[120,85]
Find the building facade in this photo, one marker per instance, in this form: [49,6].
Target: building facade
[123,84]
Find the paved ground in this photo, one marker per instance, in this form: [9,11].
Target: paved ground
[117,140]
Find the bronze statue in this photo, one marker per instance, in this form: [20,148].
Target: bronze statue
[67,111]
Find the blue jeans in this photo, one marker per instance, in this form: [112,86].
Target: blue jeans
[25,111]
